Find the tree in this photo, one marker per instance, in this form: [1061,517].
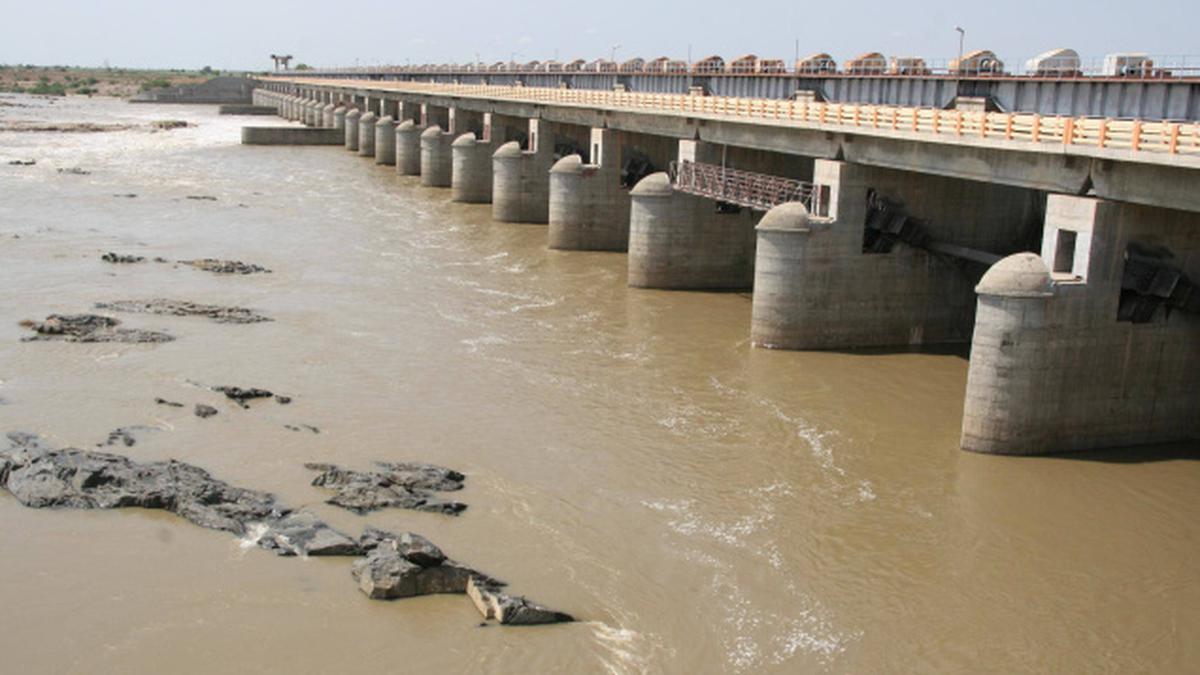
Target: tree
[303,66]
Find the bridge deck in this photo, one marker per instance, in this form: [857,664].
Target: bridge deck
[1156,142]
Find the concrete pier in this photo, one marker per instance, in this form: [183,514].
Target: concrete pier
[521,178]
[351,130]
[816,288]
[1071,352]
[588,208]
[436,157]
[327,115]
[366,134]
[681,242]
[385,141]
[408,148]
[471,174]
[339,118]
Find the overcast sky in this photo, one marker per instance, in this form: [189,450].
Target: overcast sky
[230,34]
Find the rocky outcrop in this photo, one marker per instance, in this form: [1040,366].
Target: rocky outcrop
[216,313]
[392,567]
[89,328]
[404,485]
[42,477]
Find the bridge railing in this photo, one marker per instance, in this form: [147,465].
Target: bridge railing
[1137,136]
[758,191]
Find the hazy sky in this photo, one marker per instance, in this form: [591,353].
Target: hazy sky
[241,35]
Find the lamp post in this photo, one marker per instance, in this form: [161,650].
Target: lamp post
[962,35]
[613,54]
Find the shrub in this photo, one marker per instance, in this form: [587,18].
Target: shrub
[158,83]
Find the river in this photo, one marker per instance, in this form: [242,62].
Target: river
[700,505]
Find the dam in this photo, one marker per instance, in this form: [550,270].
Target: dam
[1063,249]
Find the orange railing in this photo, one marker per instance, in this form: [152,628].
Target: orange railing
[1160,137]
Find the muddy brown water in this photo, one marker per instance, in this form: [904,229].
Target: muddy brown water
[700,505]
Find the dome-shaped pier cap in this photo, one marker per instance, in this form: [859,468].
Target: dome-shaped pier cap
[1020,275]
[367,117]
[785,216]
[355,113]
[466,140]
[432,132]
[386,119]
[340,108]
[655,185]
[405,125]
[508,150]
[568,164]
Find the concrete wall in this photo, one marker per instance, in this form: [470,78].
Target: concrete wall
[1056,371]
[290,136]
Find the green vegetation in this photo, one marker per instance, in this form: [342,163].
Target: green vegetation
[45,88]
[302,66]
[157,83]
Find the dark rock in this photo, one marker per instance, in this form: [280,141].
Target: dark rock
[205,411]
[507,609]
[119,258]
[126,195]
[41,477]
[22,162]
[167,125]
[405,486]
[386,574]
[241,396]
[302,427]
[89,328]
[205,198]
[282,400]
[182,308]
[161,260]
[171,404]
[225,266]
[75,171]
[423,476]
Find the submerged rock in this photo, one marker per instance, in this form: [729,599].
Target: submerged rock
[494,604]
[404,485]
[75,171]
[121,258]
[22,162]
[241,396]
[167,125]
[169,404]
[203,198]
[89,328]
[205,411]
[217,313]
[42,477]
[126,436]
[225,266]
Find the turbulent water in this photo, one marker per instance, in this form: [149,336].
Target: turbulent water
[700,505]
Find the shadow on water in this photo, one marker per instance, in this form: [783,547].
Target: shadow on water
[1136,454]
[960,349]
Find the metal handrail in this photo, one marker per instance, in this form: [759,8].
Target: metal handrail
[1137,136]
[758,191]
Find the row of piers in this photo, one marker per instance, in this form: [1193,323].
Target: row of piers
[1082,313]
